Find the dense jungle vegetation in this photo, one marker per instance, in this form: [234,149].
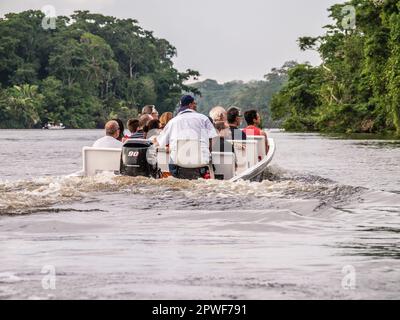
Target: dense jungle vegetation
[87,69]
[356,89]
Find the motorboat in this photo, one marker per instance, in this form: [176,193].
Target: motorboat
[248,161]
[52,126]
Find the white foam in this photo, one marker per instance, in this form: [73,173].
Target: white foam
[8,277]
[21,196]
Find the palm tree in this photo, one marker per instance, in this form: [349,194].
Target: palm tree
[24,103]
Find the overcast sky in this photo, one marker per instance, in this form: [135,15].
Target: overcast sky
[223,39]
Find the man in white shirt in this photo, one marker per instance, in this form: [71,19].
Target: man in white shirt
[188,124]
[110,140]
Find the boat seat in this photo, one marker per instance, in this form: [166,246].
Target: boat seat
[189,155]
[260,145]
[96,160]
[224,165]
[163,159]
[246,154]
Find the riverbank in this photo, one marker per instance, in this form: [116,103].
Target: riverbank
[363,136]
[348,136]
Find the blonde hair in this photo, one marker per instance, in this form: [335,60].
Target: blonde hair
[165,118]
[222,129]
[218,113]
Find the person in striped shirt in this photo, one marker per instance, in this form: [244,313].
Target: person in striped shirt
[141,131]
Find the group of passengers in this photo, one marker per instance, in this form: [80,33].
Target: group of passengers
[213,132]
[227,123]
[148,125]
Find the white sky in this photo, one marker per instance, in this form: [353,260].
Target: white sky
[223,39]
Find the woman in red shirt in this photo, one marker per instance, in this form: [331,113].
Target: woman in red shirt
[253,120]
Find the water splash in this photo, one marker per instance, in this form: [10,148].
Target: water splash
[30,196]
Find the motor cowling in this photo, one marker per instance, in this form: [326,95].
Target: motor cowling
[138,158]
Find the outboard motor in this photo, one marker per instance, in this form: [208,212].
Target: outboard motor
[139,158]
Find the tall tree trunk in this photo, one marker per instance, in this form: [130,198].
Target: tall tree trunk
[130,69]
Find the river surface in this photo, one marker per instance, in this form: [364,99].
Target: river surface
[324,224]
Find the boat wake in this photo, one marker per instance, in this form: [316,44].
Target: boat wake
[290,232]
[279,186]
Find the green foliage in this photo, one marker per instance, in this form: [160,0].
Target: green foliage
[91,67]
[54,105]
[123,112]
[21,106]
[357,87]
[297,101]
[393,70]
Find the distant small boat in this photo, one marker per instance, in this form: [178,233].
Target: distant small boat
[52,126]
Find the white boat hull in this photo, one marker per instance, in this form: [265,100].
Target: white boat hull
[257,170]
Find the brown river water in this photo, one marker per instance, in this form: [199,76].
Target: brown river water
[323,224]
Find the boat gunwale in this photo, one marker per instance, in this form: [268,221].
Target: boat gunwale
[258,168]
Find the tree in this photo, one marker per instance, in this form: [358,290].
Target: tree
[299,99]
[89,67]
[360,73]
[54,104]
[21,106]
